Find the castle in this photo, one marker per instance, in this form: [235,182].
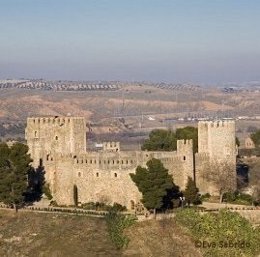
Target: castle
[103,176]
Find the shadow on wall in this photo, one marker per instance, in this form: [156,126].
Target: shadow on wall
[36,182]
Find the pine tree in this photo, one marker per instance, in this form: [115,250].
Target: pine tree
[14,167]
[191,192]
[153,182]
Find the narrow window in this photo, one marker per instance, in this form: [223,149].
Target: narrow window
[184,158]
[97,174]
[115,174]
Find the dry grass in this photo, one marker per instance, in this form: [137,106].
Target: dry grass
[53,235]
[58,235]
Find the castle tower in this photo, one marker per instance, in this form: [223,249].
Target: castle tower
[55,135]
[217,139]
[215,162]
[185,152]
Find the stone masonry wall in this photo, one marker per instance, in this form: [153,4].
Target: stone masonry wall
[60,142]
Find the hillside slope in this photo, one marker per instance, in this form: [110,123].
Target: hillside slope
[57,235]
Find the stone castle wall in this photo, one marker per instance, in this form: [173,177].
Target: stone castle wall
[103,176]
[55,134]
[216,154]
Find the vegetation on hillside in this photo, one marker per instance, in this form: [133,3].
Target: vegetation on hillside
[166,140]
[256,138]
[155,184]
[221,234]
[191,192]
[238,198]
[116,224]
[14,168]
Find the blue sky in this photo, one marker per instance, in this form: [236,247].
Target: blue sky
[198,41]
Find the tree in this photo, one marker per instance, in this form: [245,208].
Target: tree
[166,140]
[153,182]
[221,175]
[189,133]
[160,140]
[75,195]
[36,183]
[14,168]
[191,192]
[256,138]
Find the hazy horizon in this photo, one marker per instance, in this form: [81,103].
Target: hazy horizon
[199,42]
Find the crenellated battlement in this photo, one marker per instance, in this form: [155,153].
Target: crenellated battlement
[111,146]
[217,124]
[184,144]
[57,120]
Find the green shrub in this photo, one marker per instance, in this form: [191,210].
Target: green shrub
[238,198]
[118,207]
[116,223]
[222,228]
[205,197]
[47,191]
[99,206]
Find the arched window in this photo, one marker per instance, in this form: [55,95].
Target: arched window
[115,174]
[35,133]
[184,158]
[56,138]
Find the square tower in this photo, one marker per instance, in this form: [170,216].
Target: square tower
[55,135]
